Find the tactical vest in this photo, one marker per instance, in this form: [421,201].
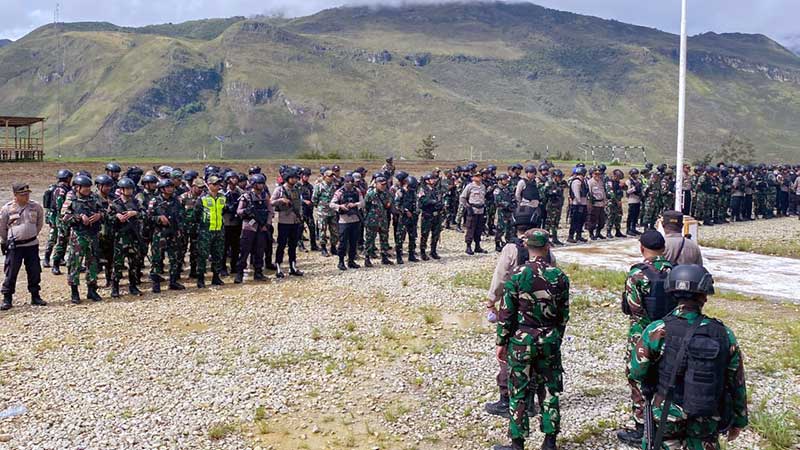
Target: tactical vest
[212,211]
[522,252]
[531,191]
[88,206]
[259,208]
[657,303]
[350,196]
[700,379]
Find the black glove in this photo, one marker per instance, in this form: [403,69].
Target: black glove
[4,248]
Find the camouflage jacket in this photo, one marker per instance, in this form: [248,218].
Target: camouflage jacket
[189,201]
[378,204]
[132,225]
[637,287]
[535,304]
[60,195]
[321,199]
[504,199]
[76,205]
[429,200]
[169,207]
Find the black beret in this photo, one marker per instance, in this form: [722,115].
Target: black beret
[652,240]
[673,217]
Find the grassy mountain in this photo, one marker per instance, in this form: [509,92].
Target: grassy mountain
[506,80]
[4,42]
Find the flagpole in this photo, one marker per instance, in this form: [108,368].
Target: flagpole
[681,113]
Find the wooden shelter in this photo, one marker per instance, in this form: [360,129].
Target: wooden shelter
[21,139]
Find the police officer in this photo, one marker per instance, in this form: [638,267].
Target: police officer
[306,194]
[21,220]
[256,212]
[698,387]
[473,199]
[347,201]
[287,202]
[527,191]
[633,191]
[578,193]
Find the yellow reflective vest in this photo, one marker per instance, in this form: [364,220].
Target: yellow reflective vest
[212,212]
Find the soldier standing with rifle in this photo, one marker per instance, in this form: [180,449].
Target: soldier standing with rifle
[165,213]
[125,215]
[256,212]
[84,213]
[431,205]
[61,229]
[21,220]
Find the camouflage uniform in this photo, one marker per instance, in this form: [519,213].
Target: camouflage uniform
[772,195]
[531,323]
[683,432]
[450,199]
[667,194]
[726,189]
[376,221]
[59,233]
[165,238]
[652,200]
[327,220]
[106,237]
[144,197]
[306,195]
[431,206]
[554,191]
[505,206]
[189,237]
[614,192]
[405,201]
[637,287]
[490,204]
[210,233]
[127,236]
[83,240]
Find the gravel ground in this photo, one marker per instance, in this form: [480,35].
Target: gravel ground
[387,358]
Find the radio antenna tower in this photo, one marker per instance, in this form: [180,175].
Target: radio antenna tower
[61,57]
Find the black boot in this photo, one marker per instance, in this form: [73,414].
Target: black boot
[156,287]
[6,303]
[549,442]
[279,272]
[498,408]
[108,278]
[56,270]
[632,437]
[201,281]
[412,257]
[459,229]
[76,296]
[399,257]
[423,255]
[479,249]
[223,272]
[324,252]
[239,277]
[581,238]
[259,275]
[599,235]
[46,262]
[367,261]
[132,286]
[434,254]
[294,271]
[92,294]
[114,289]
[341,265]
[516,444]
[352,265]
[556,241]
[333,251]
[619,234]
[571,239]
[385,260]
[216,280]
[174,285]
[193,272]
[498,246]
[36,300]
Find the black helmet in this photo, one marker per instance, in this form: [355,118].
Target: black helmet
[618,173]
[82,180]
[427,176]
[85,173]
[517,166]
[102,180]
[502,176]
[557,173]
[165,183]
[530,168]
[689,278]
[523,218]
[472,165]
[305,172]
[492,167]
[648,165]
[633,171]
[190,175]
[230,174]
[258,178]
[164,171]
[149,179]
[113,167]
[254,170]
[412,182]
[134,170]
[401,176]
[602,167]
[323,169]
[290,172]
[544,167]
[64,174]
[580,164]
[580,170]
[126,183]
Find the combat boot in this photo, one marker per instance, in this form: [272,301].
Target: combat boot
[423,255]
[459,229]
[498,247]
[114,289]
[108,277]
[352,265]
[193,271]
[76,296]
[324,252]
[592,235]
[279,272]
[469,250]
[314,246]
[516,444]
[600,236]
[6,302]
[549,442]
[399,257]
[556,241]
[412,257]
[132,285]
[580,238]
[367,261]
[333,251]
[156,287]
[385,260]
[708,223]
[36,300]
[434,254]
[498,408]
[201,281]
[479,249]
[239,277]
[92,293]
[56,270]
[216,280]
[224,271]
[341,265]
[259,275]
[174,285]
[632,437]
[46,262]
[294,271]
[619,234]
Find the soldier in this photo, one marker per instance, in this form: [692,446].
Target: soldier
[431,206]
[578,192]
[652,201]
[256,212]
[448,185]
[515,174]
[233,224]
[164,213]
[209,214]
[667,190]
[113,170]
[489,181]
[527,192]
[761,187]
[286,201]
[710,396]
[125,216]
[378,203]
[597,200]
[177,180]
[643,301]
[306,194]
[148,192]
[327,222]
[531,324]
[388,169]
[694,181]
[398,192]
[737,194]
[541,181]
[724,199]
[554,191]
[84,213]
[749,190]
[21,221]
[347,201]
[615,190]
[707,204]
[59,232]
[105,195]
[505,206]
[409,219]
[772,192]
[472,200]
[188,201]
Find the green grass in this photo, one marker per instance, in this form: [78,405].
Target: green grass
[480,279]
[778,430]
[595,278]
[395,411]
[790,249]
[222,430]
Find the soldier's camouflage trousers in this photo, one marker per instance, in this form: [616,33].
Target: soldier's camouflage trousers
[164,244]
[761,203]
[692,434]
[373,230]
[188,244]
[106,247]
[451,208]
[772,197]
[328,226]
[52,238]
[311,224]
[491,211]
[126,246]
[406,227]
[650,213]
[637,399]
[460,214]
[431,227]
[210,243]
[505,227]
[613,216]
[553,218]
[83,251]
[62,240]
[722,206]
[534,361]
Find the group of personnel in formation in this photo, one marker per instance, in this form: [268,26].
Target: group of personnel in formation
[685,370]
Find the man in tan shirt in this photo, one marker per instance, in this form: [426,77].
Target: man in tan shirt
[678,248]
[21,220]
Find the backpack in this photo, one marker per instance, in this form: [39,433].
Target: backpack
[657,303]
[48,199]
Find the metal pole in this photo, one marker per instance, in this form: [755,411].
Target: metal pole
[681,113]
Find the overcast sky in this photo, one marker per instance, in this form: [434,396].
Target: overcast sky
[775,18]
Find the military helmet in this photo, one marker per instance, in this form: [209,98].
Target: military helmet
[557,173]
[103,180]
[85,173]
[618,173]
[164,171]
[523,217]
[412,182]
[176,173]
[230,174]
[602,167]
[306,171]
[254,169]
[323,169]
[502,176]
[401,175]
[361,170]
[472,165]
[82,181]
[580,170]
[134,170]
[580,164]
[242,176]
[648,165]
[336,167]
[492,167]
[544,167]
[485,172]
[427,176]
[258,178]
[290,172]
[689,278]
[530,168]
[165,183]
[126,183]
[149,179]
[113,167]
[63,174]
[190,175]
[517,166]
